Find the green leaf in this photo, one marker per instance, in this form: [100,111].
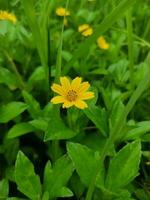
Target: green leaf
[117,109]
[37,75]
[27,181]
[20,129]
[65,192]
[11,148]
[124,166]
[98,117]
[119,72]
[4,189]
[11,110]
[45,196]
[142,194]
[56,177]
[86,162]
[140,129]
[33,105]
[8,78]
[40,124]
[57,130]
[15,198]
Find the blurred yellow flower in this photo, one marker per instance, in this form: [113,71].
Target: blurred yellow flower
[62,12]
[102,44]
[4,15]
[72,93]
[85,30]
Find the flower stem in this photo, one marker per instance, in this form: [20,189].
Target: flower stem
[55,143]
[130,45]
[15,70]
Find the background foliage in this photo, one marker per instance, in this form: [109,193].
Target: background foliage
[101,152]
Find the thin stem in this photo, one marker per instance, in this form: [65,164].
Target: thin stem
[15,70]
[146,32]
[130,45]
[55,143]
[55,147]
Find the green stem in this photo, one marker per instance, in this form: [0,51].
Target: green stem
[15,70]
[55,147]
[130,45]
[146,31]
[55,143]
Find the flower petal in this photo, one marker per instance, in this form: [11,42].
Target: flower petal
[83,87]
[80,104]
[87,95]
[87,32]
[83,27]
[76,83]
[67,104]
[65,83]
[57,99]
[58,89]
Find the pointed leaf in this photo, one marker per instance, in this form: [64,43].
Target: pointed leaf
[57,130]
[56,177]
[98,117]
[27,181]
[86,162]
[124,166]
[11,110]
[33,105]
[20,129]
[4,189]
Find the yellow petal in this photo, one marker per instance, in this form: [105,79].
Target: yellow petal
[101,42]
[83,27]
[80,104]
[57,99]
[83,87]
[87,95]
[87,32]
[65,83]
[58,89]
[76,83]
[67,104]
[62,12]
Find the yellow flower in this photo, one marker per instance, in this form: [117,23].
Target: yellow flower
[85,30]
[72,93]
[62,12]
[102,44]
[4,15]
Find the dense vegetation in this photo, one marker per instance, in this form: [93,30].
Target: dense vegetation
[92,141]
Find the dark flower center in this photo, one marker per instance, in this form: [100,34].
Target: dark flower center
[71,95]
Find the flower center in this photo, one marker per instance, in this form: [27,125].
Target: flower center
[71,95]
